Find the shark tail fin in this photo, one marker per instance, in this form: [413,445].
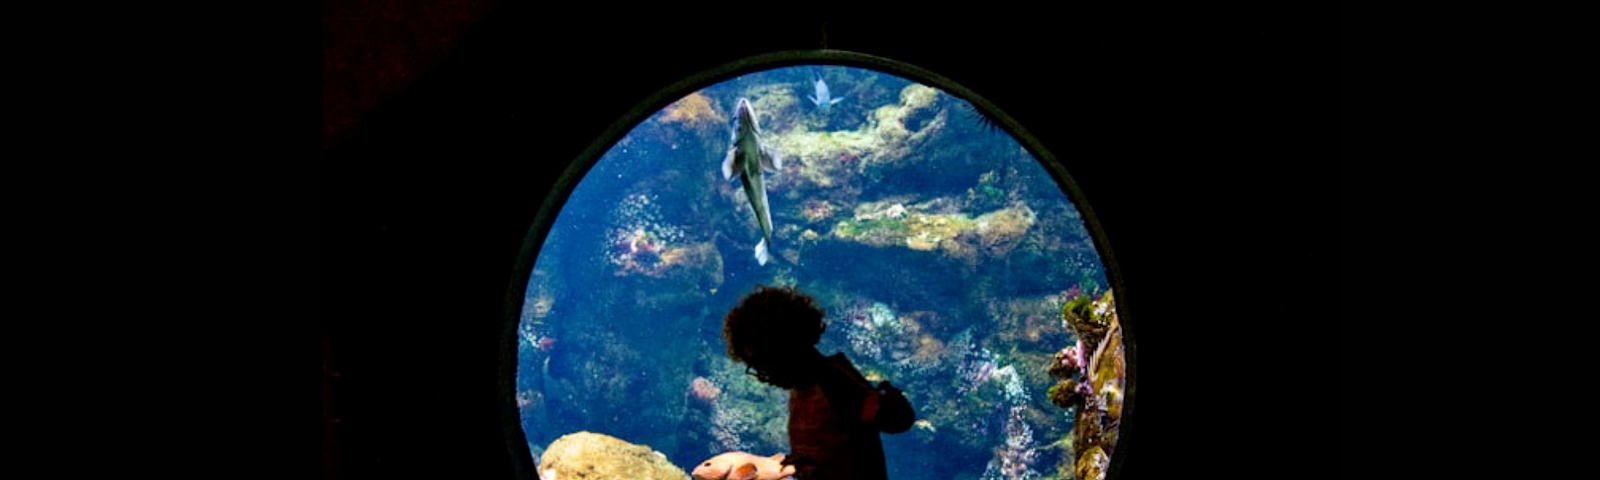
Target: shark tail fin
[835,100]
[761,252]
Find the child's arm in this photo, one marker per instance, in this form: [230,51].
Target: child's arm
[890,410]
[883,407]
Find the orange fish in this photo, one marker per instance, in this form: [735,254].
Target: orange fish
[743,466]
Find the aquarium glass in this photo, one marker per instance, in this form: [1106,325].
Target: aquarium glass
[949,260]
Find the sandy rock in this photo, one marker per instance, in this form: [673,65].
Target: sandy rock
[594,456]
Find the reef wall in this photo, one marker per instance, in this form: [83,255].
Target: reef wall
[946,257]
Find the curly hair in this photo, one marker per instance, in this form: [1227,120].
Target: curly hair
[768,324]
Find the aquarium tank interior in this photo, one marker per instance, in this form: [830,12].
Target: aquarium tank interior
[948,252]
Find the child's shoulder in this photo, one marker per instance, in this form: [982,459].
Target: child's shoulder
[838,360]
[841,363]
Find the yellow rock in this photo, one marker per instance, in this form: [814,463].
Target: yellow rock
[693,109]
[1092,464]
[594,456]
[922,242]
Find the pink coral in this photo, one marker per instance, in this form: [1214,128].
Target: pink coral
[1071,358]
[703,391]
[817,210]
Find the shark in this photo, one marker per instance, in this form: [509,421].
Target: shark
[747,159]
[822,99]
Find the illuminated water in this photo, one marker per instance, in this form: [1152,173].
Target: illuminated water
[941,249]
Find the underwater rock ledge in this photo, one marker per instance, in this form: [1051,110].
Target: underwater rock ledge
[596,456]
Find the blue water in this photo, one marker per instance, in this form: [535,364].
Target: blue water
[940,248]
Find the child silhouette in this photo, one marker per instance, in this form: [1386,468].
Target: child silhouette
[835,414]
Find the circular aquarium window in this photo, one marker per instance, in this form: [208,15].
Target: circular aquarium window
[949,252]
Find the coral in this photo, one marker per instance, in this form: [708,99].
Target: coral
[747,415]
[922,241]
[1092,464]
[1079,315]
[1059,234]
[726,426]
[638,242]
[931,226]
[975,369]
[888,123]
[891,223]
[1013,459]
[530,399]
[703,391]
[929,350]
[1005,378]
[856,320]
[695,110]
[1092,373]
[1066,362]
[539,300]
[815,211]
[595,456]
[1065,393]
[587,384]
[896,343]
[1111,397]
[775,105]
[986,194]
[539,303]
[882,316]
[639,245]
[924,430]
[528,335]
[834,156]
[1001,230]
[1030,323]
